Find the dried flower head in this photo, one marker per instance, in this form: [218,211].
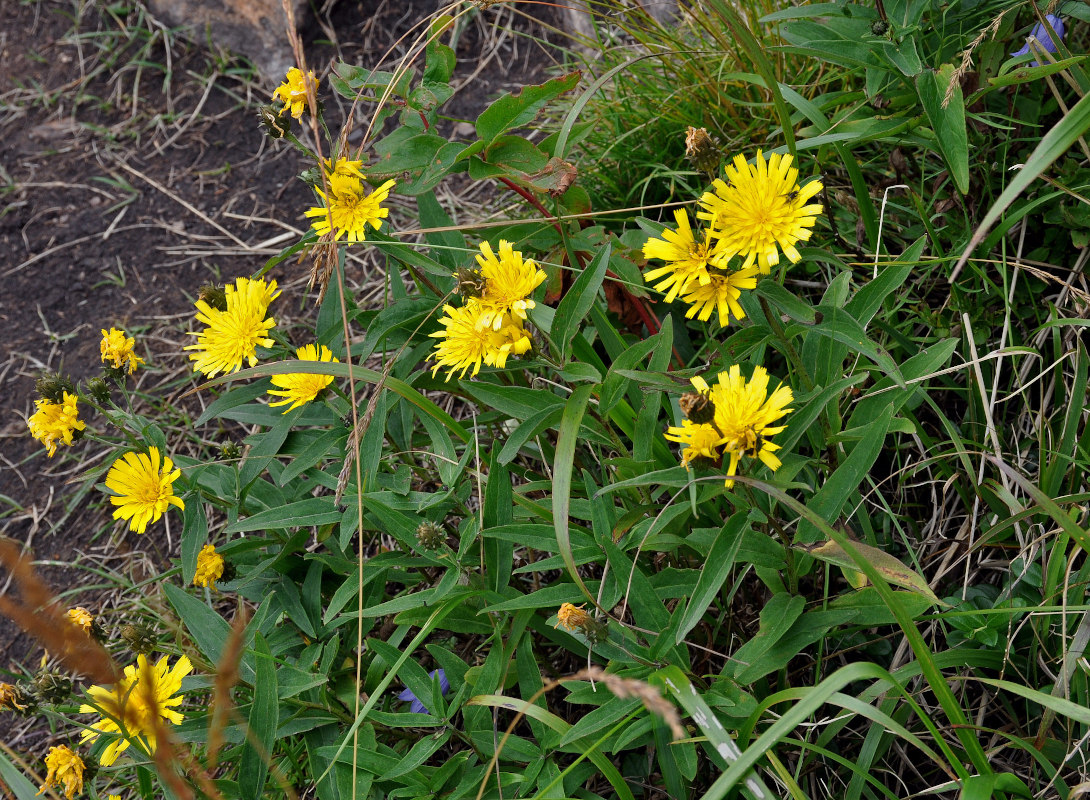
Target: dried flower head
[571,617]
[430,535]
[701,150]
[16,697]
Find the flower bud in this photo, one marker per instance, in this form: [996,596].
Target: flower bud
[52,687]
[430,535]
[276,126]
[52,386]
[139,637]
[99,389]
[214,296]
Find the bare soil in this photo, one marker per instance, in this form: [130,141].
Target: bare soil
[133,170]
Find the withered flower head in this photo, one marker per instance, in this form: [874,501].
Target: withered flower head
[139,637]
[697,407]
[276,125]
[701,150]
[52,687]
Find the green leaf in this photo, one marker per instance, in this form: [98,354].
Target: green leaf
[516,110]
[208,629]
[889,567]
[302,513]
[1052,145]
[562,476]
[716,568]
[194,536]
[829,500]
[253,768]
[947,121]
[785,301]
[841,326]
[13,779]
[577,302]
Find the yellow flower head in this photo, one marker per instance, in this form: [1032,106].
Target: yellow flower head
[65,771]
[508,283]
[700,440]
[465,341]
[144,697]
[117,350]
[142,491]
[293,91]
[720,294]
[299,388]
[744,413]
[572,617]
[54,423]
[81,618]
[346,168]
[233,335]
[348,209]
[760,210]
[209,567]
[687,260]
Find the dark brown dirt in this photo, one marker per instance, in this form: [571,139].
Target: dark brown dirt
[121,193]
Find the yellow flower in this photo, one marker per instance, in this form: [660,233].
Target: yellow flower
[117,348]
[720,294]
[232,335]
[54,423]
[299,388]
[142,491]
[348,210]
[760,210]
[700,440]
[209,567]
[80,617]
[65,771]
[744,413]
[132,708]
[13,697]
[571,617]
[508,283]
[293,91]
[465,342]
[687,260]
[344,167]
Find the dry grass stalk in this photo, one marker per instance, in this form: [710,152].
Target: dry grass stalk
[967,58]
[647,694]
[39,614]
[226,677]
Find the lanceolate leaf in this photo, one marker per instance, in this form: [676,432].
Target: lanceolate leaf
[889,567]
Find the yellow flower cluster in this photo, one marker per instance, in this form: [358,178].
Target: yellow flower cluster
[55,423]
[293,91]
[133,708]
[117,350]
[234,332]
[490,327]
[348,208]
[209,567]
[143,488]
[299,388]
[733,418]
[65,771]
[757,212]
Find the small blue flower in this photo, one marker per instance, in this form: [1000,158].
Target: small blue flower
[418,707]
[1044,37]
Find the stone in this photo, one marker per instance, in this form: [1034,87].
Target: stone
[257,29]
